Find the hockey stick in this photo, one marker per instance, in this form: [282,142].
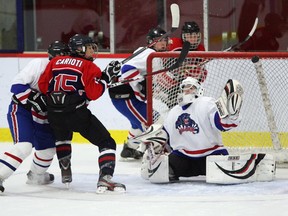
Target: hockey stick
[175,13]
[246,39]
[182,56]
[231,48]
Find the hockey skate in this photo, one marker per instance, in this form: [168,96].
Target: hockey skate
[39,179]
[66,172]
[105,184]
[1,186]
[130,153]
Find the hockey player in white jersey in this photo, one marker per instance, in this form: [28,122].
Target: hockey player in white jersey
[130,99]
[27,118]
[191,134]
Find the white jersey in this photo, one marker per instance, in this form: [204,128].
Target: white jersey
[139,61]
[26,80]
[136,68]
[195,131]
[31,72]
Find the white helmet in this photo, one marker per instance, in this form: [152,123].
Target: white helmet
[186,84]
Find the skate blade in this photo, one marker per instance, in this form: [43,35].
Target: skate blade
[122,159]
[119,190]
[67,185]
[105,190]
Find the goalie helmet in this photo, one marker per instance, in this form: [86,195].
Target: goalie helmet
[191,33]
[78,45]
[190,90]
[58,48]
[154,34]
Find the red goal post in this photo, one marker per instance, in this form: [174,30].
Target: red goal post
[264,127]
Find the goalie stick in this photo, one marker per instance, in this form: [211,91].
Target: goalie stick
[182,56]
[175,13]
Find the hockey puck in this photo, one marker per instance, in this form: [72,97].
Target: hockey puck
[255,59]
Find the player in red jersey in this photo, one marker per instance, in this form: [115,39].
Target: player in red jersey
[191,33]
[70,82]
[191,67]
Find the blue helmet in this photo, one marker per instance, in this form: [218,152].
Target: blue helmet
[78,43]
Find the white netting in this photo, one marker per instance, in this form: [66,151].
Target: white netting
[254,133]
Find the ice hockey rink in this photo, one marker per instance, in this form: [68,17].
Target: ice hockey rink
[192,196]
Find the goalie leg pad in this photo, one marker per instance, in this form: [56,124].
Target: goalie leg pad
[144,166]
[159,171]
[237,169]
[156,171]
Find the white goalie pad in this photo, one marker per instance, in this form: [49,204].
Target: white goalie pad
[159,170]
[155,169]
[238,169]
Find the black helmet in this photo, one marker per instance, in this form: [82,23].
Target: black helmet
[154,33]
[58,48]
[78,43]
[190,27]
[193,30]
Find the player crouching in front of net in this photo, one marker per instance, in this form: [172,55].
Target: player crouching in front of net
[190,143]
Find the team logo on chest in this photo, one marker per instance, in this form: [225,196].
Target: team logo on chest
[185,123]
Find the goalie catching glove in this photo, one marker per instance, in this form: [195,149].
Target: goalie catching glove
[154,136]
[37,101]
[230,101]
[111,71]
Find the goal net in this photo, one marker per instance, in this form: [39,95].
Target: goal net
[264,127]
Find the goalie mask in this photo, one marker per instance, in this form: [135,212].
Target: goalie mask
[191,33]
[190,90]
[78,45]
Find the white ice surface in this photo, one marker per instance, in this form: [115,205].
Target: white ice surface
[190,197]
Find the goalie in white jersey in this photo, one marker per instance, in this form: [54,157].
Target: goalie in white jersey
[191,133]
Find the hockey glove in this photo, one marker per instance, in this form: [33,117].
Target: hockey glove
[155,136]
[37,101]
[230,101]
[111,71]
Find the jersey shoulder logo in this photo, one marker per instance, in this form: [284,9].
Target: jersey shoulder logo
[185,123]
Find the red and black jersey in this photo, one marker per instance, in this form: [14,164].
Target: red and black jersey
[72,75]
[175,44]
